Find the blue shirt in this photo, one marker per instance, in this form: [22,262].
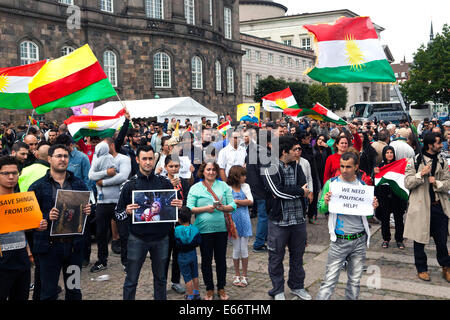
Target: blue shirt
[79,165]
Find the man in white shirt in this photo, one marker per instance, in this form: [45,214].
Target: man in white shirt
[232,155]
[401,146]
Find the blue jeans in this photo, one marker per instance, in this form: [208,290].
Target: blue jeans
[261,227]
[137,252]
[59,257]
[341,250]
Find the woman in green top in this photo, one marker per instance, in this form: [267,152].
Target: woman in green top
[210,220]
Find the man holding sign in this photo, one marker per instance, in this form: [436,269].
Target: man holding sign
[15,265]
[349,233]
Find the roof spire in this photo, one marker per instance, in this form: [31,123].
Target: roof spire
[431,31]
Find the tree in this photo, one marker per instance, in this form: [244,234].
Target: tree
[268,85]
[317,93]
[338,96]
[430,72]
[300,92]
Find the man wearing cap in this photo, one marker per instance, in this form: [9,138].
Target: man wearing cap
[401,146]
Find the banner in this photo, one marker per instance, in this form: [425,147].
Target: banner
[248,112]
[351,199]
[19,211]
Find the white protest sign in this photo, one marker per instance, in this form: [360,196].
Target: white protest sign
[351,199]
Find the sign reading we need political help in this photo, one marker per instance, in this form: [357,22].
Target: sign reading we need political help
[351,199]
[19,211]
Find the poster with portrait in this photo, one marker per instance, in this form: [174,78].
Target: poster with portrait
[248,112]
[154,206]
[71,220]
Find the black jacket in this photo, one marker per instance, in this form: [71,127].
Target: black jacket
[254,170]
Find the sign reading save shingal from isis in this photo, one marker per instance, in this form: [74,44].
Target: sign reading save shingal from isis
[19,211]
[351,199]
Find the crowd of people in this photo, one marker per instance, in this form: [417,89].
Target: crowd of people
[278,171]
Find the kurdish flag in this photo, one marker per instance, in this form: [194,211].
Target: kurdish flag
[318,112]
[349,51]
[393,174]
[223,128]
[278,101]
[71,80]
[94,126]
[14,85]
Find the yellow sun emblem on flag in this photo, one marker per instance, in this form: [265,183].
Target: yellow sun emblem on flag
[4,82]
[281,103]
[92,124]
[355,57]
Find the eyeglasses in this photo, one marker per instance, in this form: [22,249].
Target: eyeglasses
[61,156]
[6,173]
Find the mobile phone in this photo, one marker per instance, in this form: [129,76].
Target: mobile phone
[216,203]
[176,175]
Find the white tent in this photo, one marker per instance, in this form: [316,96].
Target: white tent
[178,108]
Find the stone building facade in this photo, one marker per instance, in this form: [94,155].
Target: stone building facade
[148,48]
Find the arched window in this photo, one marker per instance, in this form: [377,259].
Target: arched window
[230,80]
[29,52]
[189,11]
[227,19]
[161,73]
[197,73]
[218,68]
[154,9]
[110,66]
[66,50]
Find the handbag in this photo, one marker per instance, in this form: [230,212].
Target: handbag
[231,227]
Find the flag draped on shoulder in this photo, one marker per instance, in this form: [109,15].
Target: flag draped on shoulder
[14,85]
[94,126]
[349,51]
[71,80]
[280,100]
[318,112]
[393,174]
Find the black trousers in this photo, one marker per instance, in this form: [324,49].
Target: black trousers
[439,232]
[174,252]
[387,206]
[214,244]
[312,207]
[15,284]
[104,213]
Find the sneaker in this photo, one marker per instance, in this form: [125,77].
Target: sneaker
[302,294]
[279,296]
[260,249]
[98,267]
[32,287]
[115,246]
[178,288]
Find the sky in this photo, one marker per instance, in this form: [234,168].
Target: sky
[407,23]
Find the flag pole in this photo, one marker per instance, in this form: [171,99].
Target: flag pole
[408,117]
[29,122]
[123,104]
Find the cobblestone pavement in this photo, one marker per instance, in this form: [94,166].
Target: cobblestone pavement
[391,274]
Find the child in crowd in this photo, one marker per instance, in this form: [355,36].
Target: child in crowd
[187,238]
[243,198]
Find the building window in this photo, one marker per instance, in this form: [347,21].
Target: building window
[197,73]
[161,73]
[154,9]
[211,12]
[306,43]
[66,50]
[227,23]
[403,74]
[287,42]
[189,12]
[270,58]
[248,84]
[257,78]
[310,64]
[110,66]
[69,2]
[218,68]
[304,64]
[297,63]
[230,80]
[106,5]
[248,54]
[289,61]
[281,60]
[258,55]
[29,52]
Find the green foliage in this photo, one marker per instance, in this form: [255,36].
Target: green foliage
[430,72]
[317,93]
[338,96]
[268,85]
[300,92]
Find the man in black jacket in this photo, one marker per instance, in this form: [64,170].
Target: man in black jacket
[286,211]
[147,237]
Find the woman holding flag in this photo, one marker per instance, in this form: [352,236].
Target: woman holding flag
[389,203]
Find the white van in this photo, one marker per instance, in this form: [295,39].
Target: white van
[382,110]
[429,110]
